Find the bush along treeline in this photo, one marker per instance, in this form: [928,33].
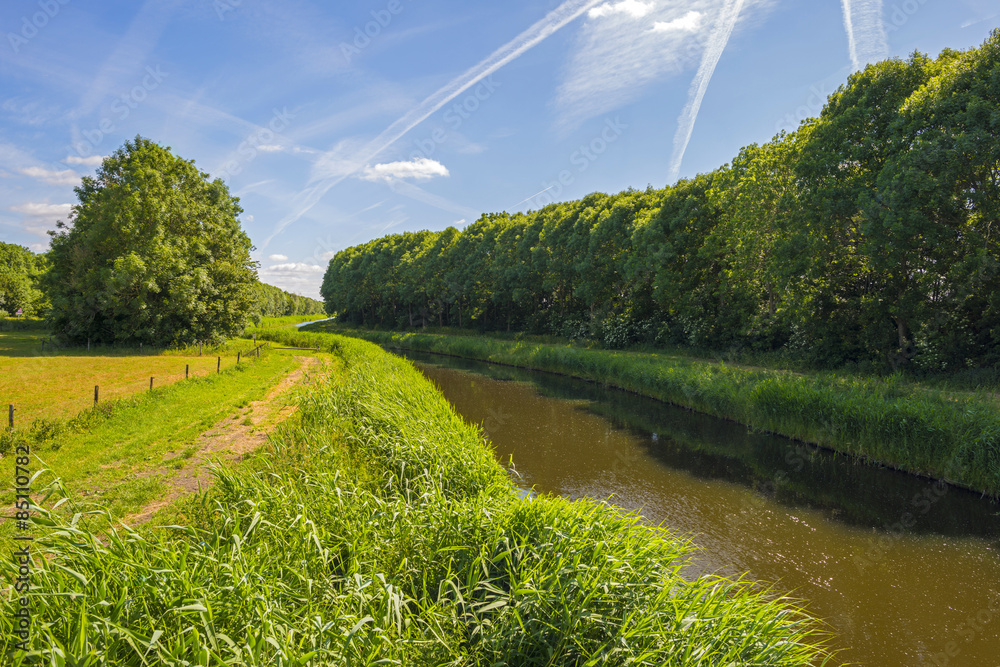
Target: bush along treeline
[20,274]
[869,236]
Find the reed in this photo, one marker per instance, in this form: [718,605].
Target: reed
[377,528]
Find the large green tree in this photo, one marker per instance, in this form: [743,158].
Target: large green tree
[153,252]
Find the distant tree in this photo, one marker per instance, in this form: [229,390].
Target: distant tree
[153,253]
[20,270]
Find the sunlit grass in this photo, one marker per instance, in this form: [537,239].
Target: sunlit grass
[378,529]
[115,454]
[56,383]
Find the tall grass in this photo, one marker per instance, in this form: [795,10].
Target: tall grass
[379,529]
[944,435]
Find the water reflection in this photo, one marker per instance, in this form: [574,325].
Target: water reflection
[896,564]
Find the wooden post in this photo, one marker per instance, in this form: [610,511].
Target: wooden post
[187,368]
[238,353]
[218,365]
[10,414]
[140,348]
[151,384]
[96,393]
[199,348]
[255,339]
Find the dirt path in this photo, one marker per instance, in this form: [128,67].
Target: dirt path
[229,440]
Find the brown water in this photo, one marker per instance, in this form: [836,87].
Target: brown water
[905,571]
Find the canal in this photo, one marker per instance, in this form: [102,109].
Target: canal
[905,571]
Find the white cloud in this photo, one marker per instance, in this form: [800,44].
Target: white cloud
[717,42]
[418,169]
[866,38]
[690,22]
[38,210]
[295,268]
[64,177]
[294,277]
[277,258]
[40,217]
[92,161]
[321,183]
[270,148]
[632,8]
[616,59]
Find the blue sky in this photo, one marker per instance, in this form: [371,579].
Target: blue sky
[336,123]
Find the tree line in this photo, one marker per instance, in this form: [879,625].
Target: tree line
[865,236]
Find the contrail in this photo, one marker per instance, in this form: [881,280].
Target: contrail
[537,33]
[866,39]
[717,42]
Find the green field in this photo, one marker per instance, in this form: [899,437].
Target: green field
[44,382]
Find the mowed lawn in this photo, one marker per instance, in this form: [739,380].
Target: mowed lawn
[58,384]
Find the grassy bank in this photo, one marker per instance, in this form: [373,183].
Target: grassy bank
[378,529]
[954,436]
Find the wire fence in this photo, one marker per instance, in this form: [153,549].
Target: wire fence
[123,387]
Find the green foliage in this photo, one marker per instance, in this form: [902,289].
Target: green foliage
[864,238]
[274,302]
[20,273]
[153,253]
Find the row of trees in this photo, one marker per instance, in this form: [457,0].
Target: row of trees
[152,253]
[274,302]
[865,236]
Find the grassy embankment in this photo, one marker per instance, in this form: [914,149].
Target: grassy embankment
[118,453]
[942,434]
[377,528]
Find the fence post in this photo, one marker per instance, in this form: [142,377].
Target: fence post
[140,348]
[187,367]
[199,348]
[97,389]
[238,353]
[151,384]
[10,414]
[218,365]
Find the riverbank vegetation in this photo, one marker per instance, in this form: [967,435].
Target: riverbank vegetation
[948,435]
[864,240]
[377,528]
